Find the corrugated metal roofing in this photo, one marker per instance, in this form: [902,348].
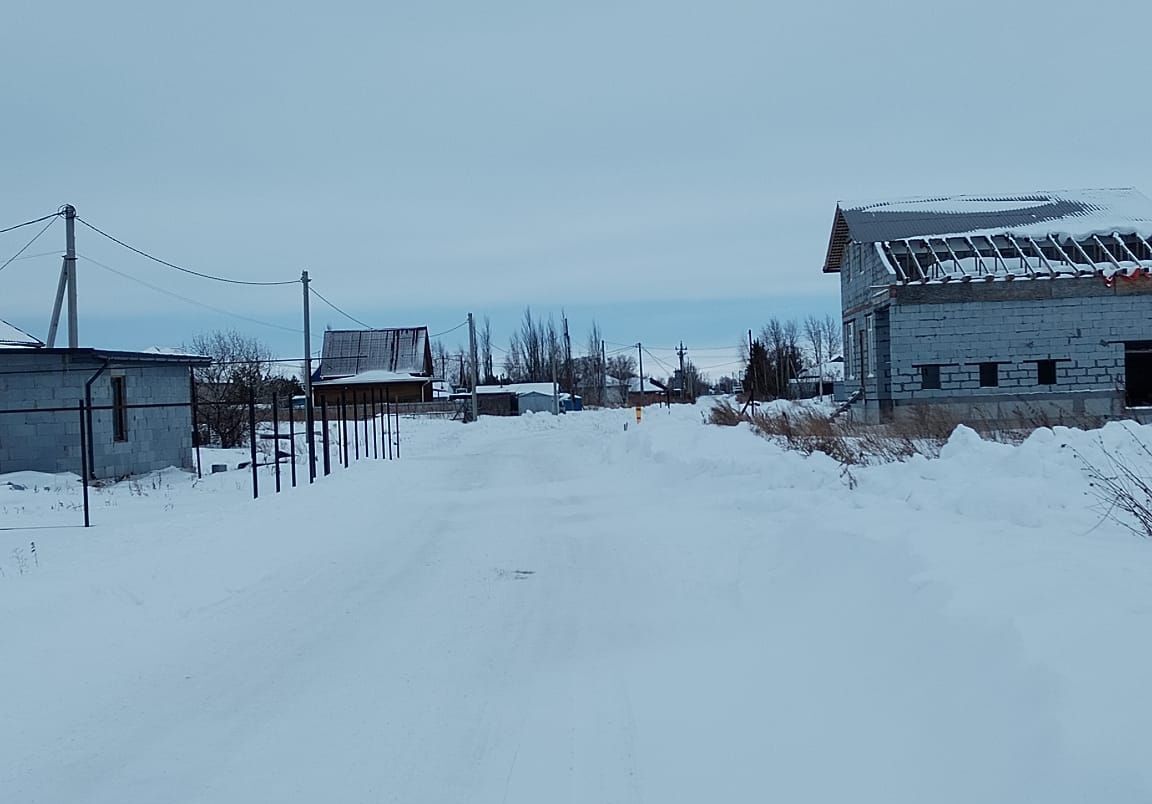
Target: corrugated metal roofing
[14,336]
[350,352]
[1072,213]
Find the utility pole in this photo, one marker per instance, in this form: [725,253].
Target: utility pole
[640,354]
[472,349]
[309,413]
[555,388]
[67,283]
[751,374]
[568,359]
[683,379]
[603,376]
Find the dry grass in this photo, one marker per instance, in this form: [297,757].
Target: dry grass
[921,430]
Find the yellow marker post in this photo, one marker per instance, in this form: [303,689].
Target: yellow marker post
[639,412]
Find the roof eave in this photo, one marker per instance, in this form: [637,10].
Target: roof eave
[838,238]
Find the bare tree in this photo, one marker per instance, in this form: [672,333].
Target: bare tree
[486,373]
[593,369]
[532,349]
[832,335]
[622,368]
[781,340]
[241,369]
[814,332]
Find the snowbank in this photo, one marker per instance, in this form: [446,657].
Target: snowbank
[549,608]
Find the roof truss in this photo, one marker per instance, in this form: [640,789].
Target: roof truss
[943,259]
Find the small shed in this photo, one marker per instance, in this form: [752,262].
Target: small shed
[141,416]
[522,397]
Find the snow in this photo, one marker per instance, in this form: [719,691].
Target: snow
[568,609]
[175,351]
[11,336]
[1121,210]
[521,389]
[371,377]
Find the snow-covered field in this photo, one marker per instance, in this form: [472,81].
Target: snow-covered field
[564,610]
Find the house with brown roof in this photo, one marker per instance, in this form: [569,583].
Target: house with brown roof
[384,364]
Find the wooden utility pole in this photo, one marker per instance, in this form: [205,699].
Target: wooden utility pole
[603,376]
[309,412]
[568,377]
[683,378]
[472,350]
[640,354]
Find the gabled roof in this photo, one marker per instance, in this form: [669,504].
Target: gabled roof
[14,336]
[1075,214]
[403,350]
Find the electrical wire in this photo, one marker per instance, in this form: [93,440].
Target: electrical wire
[179,268]
[185,299]
[449,331]
[349,316]
[29,223]
[36,237]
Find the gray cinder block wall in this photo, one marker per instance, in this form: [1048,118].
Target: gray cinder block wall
[41,379]
[1080,322]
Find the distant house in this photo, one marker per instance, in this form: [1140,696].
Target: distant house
[392,364]
[655,392]
[141,417]
[1035,306]
[514,399]
[818,380]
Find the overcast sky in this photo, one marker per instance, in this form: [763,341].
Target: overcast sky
[670,168]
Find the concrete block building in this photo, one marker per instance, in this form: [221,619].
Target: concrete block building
[1005,308]
[141,417]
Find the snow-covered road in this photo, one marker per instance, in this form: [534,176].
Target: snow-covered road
[559,610]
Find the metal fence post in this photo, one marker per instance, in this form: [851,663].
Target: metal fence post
[344,425]
[364,411]
[252,441]
[324,435]
[276,439]
[292,438]
[375,393]
[397,431]
[84,460]
[388,418]
[355,426]
[195,425]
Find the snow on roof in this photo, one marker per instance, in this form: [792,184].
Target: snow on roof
[170,350]
[14,336]
[353,352]
[1071,213]
[520,389]
[832,370]
[650,385]
[371,377]
[1042,234]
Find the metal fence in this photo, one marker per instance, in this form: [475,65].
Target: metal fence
[282,450]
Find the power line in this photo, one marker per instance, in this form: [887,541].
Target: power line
[29,223]
[185,299]
[349,316]
[449,331]
[36,237]
[179,268]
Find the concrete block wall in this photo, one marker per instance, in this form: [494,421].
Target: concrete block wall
[1078,322]
[50,441]
[863,274]
[157,437]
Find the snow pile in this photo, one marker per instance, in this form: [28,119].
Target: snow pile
[587,609]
